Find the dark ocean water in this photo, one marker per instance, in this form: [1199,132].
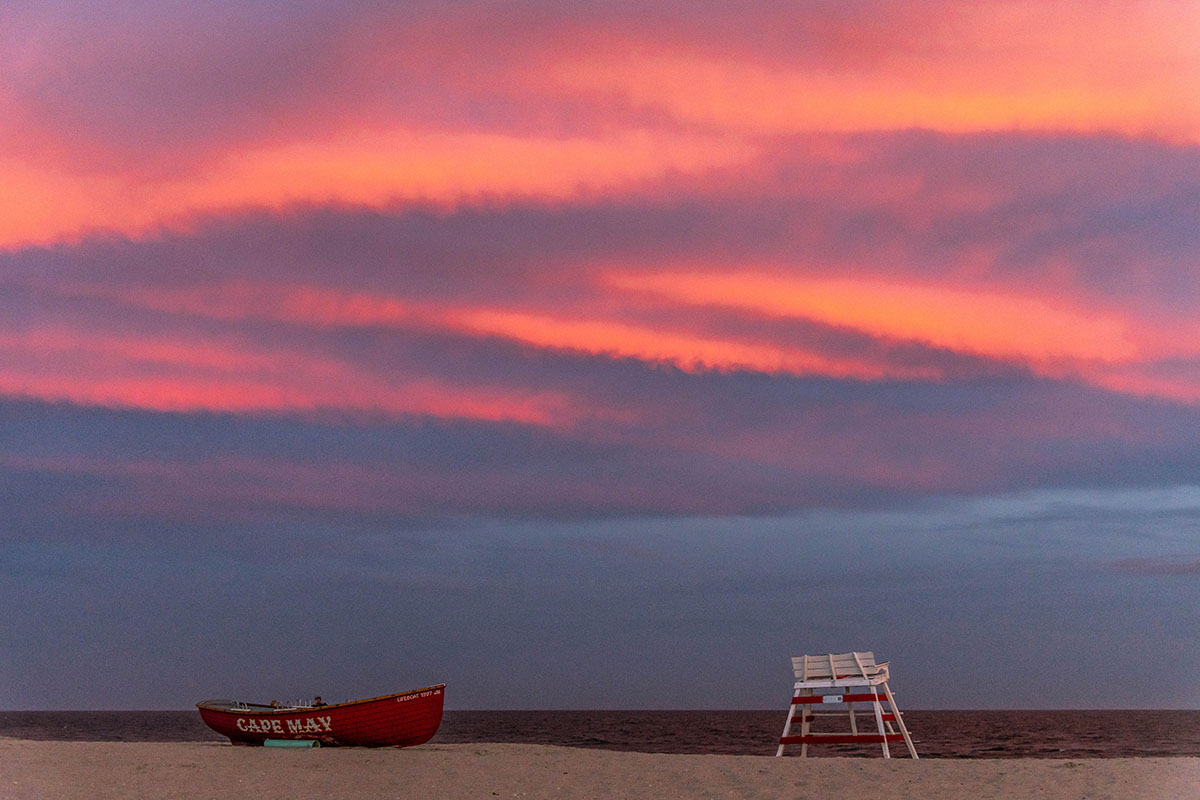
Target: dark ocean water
[939,734]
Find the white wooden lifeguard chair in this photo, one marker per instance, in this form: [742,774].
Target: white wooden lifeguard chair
[839,681]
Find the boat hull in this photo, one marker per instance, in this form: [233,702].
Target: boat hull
[394,720]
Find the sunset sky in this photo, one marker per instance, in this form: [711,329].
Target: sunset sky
[599,355]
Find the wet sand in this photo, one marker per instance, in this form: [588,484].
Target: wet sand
[34,770]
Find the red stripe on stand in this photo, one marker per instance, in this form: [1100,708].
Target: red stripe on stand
[809,699]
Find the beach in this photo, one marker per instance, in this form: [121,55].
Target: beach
[56,770]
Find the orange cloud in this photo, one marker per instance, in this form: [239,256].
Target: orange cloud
[684,350]
[564,330]
[176,374]
[374,169]
[974,321]
[750,98]
[1125,67]
[39,204]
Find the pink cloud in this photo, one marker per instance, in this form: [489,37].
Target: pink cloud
[181,372]
[128,123]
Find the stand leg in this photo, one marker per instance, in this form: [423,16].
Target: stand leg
[787,726]
[879,723]
[908,742]
[805,727]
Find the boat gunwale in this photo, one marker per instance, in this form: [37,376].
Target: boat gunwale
[267,711]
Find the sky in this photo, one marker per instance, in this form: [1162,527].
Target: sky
[587,355]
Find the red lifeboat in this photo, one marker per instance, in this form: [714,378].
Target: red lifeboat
[393,720]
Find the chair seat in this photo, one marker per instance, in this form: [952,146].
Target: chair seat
[838,669]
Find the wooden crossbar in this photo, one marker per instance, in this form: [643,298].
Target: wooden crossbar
[886,717]
[840,739]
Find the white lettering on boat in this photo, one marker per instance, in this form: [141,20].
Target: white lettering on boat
[305,725]
[415,695]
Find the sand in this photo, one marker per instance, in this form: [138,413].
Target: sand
[32,770]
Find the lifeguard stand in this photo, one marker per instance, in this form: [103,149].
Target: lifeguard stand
[840,680]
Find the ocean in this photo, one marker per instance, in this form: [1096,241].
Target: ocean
[938,734]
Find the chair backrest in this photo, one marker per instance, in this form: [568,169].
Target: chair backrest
[836,665]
